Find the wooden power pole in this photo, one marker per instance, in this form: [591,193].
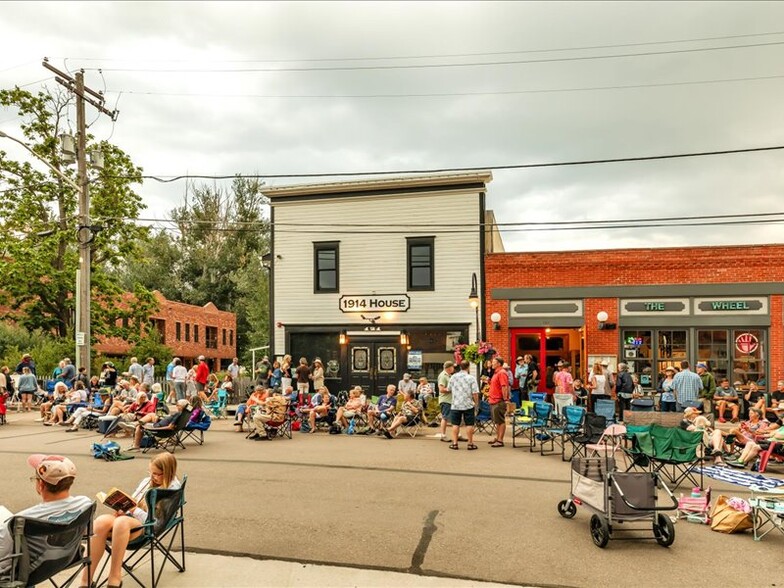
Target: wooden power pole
[85,231]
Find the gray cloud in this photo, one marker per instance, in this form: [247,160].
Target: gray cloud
[224,135]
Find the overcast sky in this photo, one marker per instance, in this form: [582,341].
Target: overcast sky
[178,121]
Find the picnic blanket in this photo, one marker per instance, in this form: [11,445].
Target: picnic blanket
[741,478]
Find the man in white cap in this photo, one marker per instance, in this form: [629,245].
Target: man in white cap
[54,475]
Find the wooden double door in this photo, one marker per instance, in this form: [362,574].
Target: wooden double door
[373,364]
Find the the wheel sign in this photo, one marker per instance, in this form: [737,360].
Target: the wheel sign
[746,343]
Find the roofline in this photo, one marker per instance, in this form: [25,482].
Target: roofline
[618,250]
[402,182]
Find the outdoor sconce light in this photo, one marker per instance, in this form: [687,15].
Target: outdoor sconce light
[343,337]
[602,317]
[496,318]
[403,338]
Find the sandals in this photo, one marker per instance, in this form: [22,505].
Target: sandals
[454,446]
[472,447]
[497,443]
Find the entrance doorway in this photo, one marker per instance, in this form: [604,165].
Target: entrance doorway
[548,346]
[373,364]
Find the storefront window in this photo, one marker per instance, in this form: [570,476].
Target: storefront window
[322,345]
[748,356]
[672,347]
[712,350]
[638,355]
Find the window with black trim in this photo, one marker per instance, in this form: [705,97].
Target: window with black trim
[325,267]
[421,267]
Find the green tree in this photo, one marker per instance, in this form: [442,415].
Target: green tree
[39,252]
[214,255]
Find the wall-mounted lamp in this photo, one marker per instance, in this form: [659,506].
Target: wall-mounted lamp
[343,337]
[602,317]
[403,338]
[496,318]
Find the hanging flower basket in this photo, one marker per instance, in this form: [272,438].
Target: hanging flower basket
[475,352]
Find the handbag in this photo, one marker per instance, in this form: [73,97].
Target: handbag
[727,519]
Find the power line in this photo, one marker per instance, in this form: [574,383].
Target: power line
[437,55]
[449,94]
[166,179]
[435,65]
[265,222]
[642,224]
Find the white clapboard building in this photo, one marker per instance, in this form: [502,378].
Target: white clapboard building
[373,277]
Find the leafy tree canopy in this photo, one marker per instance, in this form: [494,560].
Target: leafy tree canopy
[39,252]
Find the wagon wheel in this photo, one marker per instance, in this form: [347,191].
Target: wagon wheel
[663,530]
[600,531]
[567,509]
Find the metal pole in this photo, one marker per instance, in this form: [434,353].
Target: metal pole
[84,235]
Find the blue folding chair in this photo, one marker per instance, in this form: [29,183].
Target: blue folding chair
[218,408]
[605,408]
[537,396]
[541,419]
[570,425]
[484,419]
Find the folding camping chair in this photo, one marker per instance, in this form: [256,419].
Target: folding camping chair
[165,522]
[218,408]
[521,418]
[677,454]
[593,427]
[606,408]
[484,419]
[42,549]
[195,430]
[570,425]
[561,401]
[413,426]
[167,439]
[536,428]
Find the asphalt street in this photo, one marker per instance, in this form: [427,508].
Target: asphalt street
[403,505]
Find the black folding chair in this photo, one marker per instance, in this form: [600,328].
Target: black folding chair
[165,522]
[593,427]
[166,439]
[43,549]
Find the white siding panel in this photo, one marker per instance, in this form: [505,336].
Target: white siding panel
[375,264]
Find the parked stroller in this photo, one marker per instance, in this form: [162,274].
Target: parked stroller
[617,498]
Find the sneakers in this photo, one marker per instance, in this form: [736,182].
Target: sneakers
[42,419]
[722,420]
[438,436]
[387,434]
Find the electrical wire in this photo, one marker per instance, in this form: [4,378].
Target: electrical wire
[439,55]
[643,224]
[166,179]
[437,65]
[450,94]
[265,222]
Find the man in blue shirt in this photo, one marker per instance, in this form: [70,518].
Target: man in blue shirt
[687,386]
[383,411]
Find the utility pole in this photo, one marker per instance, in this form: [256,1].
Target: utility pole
[84,232]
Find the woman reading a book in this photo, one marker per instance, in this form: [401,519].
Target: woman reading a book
[125,523]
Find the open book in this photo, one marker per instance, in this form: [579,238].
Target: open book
[116,499]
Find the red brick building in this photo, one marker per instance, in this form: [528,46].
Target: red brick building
[719,305]
[189,331]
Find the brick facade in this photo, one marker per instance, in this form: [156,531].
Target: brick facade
[756,264]
[201,320]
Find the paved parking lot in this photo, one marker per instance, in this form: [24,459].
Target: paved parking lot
[403,505]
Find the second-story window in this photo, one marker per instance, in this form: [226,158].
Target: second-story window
[195,333]
[178,331]
[187,332]
[421,268]
[325,267]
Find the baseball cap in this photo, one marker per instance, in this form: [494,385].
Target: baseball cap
[449,364]
[605,362]
[669,368]
[52,468]
[702,365]
[406,376]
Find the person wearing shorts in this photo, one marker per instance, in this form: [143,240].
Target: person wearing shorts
[445,397]
[465,394]
[498,397]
